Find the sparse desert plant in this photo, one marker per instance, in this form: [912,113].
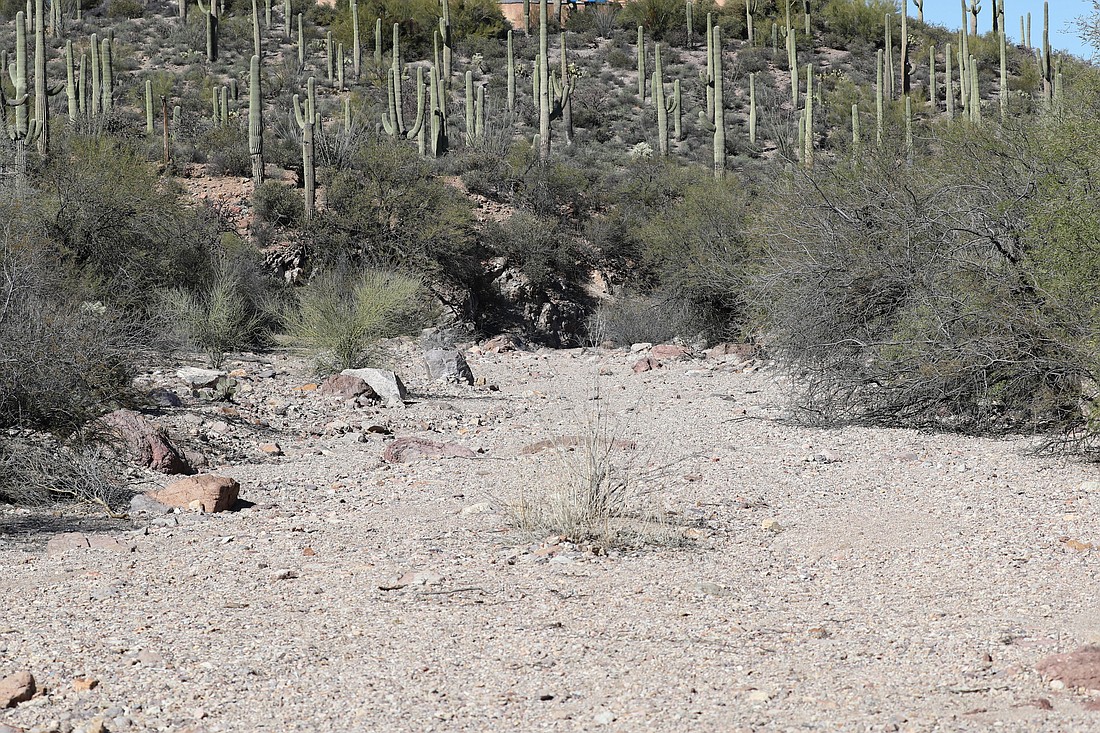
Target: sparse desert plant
[339,318]
[85,472]
[635,318]
[279,204]
[217,319]
[600,490]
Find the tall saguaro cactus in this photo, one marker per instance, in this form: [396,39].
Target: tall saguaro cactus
[305,114]
[25,130]
[256,120]
[715,121]
[211,14]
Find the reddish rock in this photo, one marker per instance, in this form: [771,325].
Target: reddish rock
[147,444]
[407,449]
[1080,668]
[743,351]
[669,352]
[345,386]
[211,493]
[65,541]
[646,364]
[16,688]
[502,343]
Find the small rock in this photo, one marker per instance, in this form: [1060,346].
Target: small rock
[640,347]
[502,343]
[669,352]
[147,656]
[645,365]
[65,541]
[711,589]
[604,717]
[386,384]
[144,504]
[344,386]
[419,577]
[83,684]
[272,449]
[818,633]
[758,696]
[198,378]
[482,507]
[407,449]
[285,575]
[1079,668]
[771,525]
[16,688]
[162,397]
[5,728]
[214,493]
[448,364]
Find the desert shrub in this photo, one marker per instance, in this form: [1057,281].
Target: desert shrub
[229,150]
[36,473]
[66,359]
[662,19]
[276,203]
[925,295]
[633,317]
[845,20]
[222,316]
[386,210]
[122,228]
[125,9]
[600,491]
[339,317]
[538,246]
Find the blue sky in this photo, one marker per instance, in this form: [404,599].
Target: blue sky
[1063,33]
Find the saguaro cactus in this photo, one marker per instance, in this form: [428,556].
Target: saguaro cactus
[752,108]
[511,64]
[306,117]
[716,121]
[256,120]
[211,14]
[356,47]
[641,64]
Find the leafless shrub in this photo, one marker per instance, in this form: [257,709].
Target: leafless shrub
[913,296]
[601,490]
[43,472]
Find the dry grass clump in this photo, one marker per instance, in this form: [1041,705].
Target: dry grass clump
[85,472]
[598,490]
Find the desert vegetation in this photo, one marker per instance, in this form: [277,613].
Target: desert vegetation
[902,214]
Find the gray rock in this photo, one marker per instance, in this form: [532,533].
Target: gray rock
[448,364]
[144,504]
[197,378]
[385,384]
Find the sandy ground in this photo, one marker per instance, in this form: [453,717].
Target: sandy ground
[806,579]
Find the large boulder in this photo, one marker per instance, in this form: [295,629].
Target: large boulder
[410,448]
[345,386]
[16,688]
[1077,669]
[386,384]
[448,364]
[207,493]
[147,444]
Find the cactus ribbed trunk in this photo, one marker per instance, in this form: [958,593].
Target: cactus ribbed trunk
[356,46]
[257,49]
[149,107]
[659,101]
[305,114]
[544,86]
[808,153]
[719,108]
[256,120]
[641,64]
[948,87]
[71,82]
[752,108]
[511,65]
[41,94]
[879,74]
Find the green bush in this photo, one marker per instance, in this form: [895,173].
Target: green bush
[339,318]
[223,316]
[279,204]
[125,9]
[538,246]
